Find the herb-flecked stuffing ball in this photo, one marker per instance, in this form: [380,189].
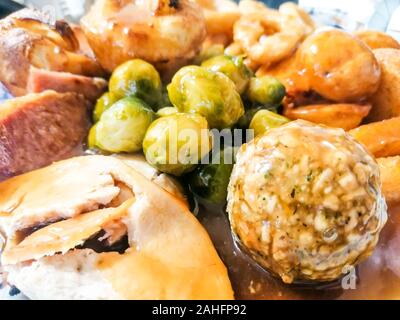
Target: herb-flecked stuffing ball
[305,201]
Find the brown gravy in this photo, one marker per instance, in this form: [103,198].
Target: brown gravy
[377,278]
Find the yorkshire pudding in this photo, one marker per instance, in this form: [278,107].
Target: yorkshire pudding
[160,32]
[28,38]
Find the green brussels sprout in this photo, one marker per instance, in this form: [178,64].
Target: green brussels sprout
[210,181]
[212,94]
[137,78]
[245,120]
[165,102]
[265,120]
[92,137]
[167,111]
[103,103]
[208,53]
[175,144]
[233,68]
[267,91]
[123,126]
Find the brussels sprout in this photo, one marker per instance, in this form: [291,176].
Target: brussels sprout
[233,68]
[175,144]
[165,102]
[267,91]
[210,182]
[137,78]
[92,137]
[167,111]
[209,52]
[211,94]
[245,120]
[123,126]
[104,102]
[265,120]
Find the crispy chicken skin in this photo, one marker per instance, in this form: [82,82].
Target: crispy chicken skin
[169,255]
[98,189]
[138,161]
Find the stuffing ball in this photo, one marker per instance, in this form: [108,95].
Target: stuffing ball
[305,201]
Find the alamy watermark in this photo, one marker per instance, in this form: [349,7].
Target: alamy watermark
[349,280]
[189,146]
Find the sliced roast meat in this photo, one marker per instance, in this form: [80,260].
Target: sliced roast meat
[41,80]
[39,129]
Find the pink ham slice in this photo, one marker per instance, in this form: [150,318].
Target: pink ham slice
[41,80]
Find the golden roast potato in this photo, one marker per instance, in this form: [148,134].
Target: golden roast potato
[377,39]
[386,101]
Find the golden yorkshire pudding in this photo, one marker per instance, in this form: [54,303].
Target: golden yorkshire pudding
[160,31]
[338,66]
[28,39]
[377,39]
[293,10]
[269,36]
[94,228]
[220,16]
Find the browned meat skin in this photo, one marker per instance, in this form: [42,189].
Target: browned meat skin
[39,129]
[41,80]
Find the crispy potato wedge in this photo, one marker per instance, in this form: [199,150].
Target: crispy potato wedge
[345,116]
[382,138]
[390,176]
[386,101]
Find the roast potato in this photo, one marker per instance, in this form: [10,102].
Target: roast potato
[390,176]
[386,101]
[377,39]
[382,138]
[345,116]
[338,66]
